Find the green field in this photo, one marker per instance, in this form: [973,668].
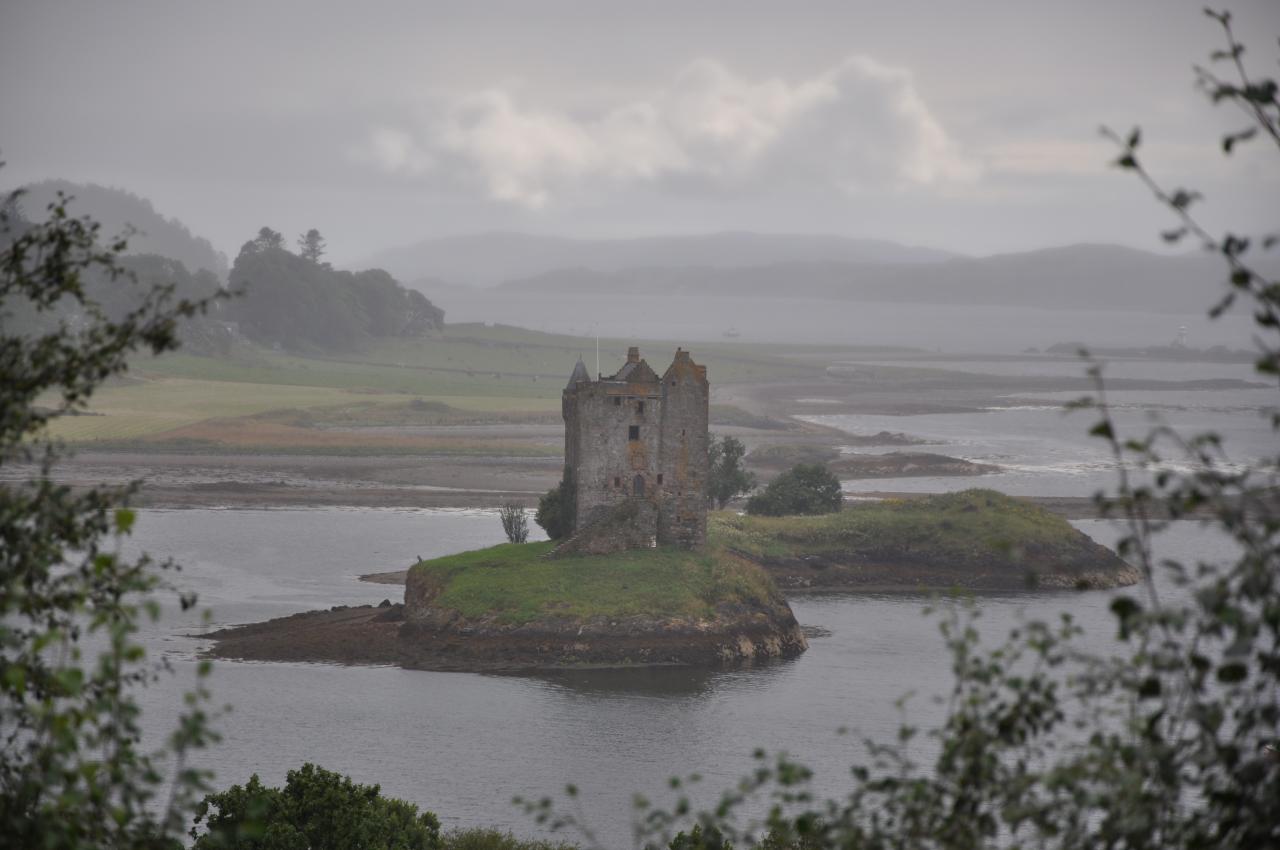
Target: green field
[259,399]
[516,584]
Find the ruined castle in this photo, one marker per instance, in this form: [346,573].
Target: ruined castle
[635,454]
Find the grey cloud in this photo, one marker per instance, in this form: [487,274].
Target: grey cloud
[860,124]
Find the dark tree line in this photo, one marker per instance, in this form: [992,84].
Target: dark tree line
[300,303]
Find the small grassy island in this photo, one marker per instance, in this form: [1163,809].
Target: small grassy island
[511,605]
[975,539]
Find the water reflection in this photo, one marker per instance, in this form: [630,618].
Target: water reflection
[661,682]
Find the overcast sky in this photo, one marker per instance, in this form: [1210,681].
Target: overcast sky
[963,125]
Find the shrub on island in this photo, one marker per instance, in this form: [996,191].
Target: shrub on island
[806,488]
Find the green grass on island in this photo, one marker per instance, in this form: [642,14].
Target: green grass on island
[516,584]
[973,526]
[975,531]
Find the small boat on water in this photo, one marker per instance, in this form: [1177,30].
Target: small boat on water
[732,333]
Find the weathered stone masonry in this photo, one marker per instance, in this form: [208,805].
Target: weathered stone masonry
[635,448]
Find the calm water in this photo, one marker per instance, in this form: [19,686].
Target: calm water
[464,744]
[1044,450]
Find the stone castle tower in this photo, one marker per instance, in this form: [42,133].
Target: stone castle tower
[635,454]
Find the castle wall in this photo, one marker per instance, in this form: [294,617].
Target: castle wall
[642,439]
[683,462]
[607,460]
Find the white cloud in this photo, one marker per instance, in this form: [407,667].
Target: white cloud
[859,125]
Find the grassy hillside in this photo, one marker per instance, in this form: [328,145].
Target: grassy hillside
[256,399]
[515,584]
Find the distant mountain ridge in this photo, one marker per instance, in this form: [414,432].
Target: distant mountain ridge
[1074,276]
[491,258]
[117,209]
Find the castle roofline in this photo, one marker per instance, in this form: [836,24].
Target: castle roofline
[683,366]
[579,375]
[636,370]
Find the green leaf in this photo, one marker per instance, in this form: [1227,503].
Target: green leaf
[1125,607]
[124,520]
[1232,672]
[1230,140]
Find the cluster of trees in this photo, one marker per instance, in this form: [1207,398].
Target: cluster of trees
[301,303]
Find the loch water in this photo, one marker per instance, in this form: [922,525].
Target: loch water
[464,744]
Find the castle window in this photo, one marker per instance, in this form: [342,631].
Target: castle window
[637,486]
[633,432]
[640,407]
[617,481]
[659,478]
[617,401]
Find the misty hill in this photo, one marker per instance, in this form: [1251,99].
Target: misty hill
[116,209]
[1076,276]
[301,304]
[488,258]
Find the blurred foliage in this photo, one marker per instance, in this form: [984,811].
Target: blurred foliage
[73,772]
[316,809]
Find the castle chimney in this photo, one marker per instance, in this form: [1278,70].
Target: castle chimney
[633,354]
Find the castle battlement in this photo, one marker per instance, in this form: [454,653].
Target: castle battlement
[639,440]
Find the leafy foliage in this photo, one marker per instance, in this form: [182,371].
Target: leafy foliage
[493,839]
[806,488]
[556,509]
[514,523]
[728,478]
[316,809]
[72,769]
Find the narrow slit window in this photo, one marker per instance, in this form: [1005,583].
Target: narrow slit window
[633,432]
[617,481]
[640,407]
[659,478]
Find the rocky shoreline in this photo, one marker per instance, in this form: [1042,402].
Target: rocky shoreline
[381,635]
